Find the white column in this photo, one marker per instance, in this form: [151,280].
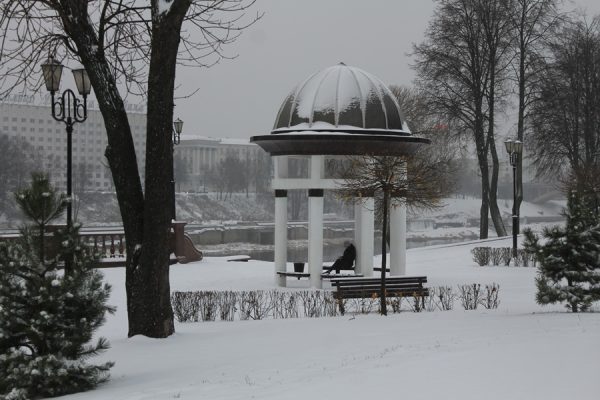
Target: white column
[398,239]
[280,236]
[316,168]
[357,233]
[367,234]
[315,237]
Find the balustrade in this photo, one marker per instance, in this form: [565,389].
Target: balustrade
[111,249]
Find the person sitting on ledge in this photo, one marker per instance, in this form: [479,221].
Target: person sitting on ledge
[346,261]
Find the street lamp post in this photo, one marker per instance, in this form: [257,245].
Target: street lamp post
[514,149]
[70,110]
[177,129]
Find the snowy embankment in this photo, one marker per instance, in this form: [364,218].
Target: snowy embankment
[519,351]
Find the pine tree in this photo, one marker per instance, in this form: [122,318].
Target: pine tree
[47,319]
[569,258]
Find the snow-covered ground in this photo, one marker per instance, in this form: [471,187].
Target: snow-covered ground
[519,351]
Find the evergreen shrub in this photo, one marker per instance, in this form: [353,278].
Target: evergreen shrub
[567,257]
[47,318]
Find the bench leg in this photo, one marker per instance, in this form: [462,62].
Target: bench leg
[341,305]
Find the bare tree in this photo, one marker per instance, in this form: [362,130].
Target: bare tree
[261,171]
[496,23]
[234,174]
[532,22]
[446,145]
[423,186]
[458,67]
[216,181]
[18,161]
[182,171]
[298,201]
[565,140]
[82,177]
[136,44]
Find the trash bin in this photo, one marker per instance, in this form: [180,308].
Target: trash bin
[299,267]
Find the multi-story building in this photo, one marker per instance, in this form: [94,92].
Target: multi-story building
[30,117]
[202,155]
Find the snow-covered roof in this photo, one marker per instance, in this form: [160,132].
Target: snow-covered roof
[341,97]
[340,110]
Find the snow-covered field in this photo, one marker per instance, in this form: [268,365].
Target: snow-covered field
[519,351]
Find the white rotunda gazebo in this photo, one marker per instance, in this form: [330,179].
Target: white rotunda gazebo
[336,112]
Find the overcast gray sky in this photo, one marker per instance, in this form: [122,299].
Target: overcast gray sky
[240,98]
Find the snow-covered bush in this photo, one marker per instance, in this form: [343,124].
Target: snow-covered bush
[524,259]
[482,255]
[495,256]
[47,319]
[568,259]
[490,296]
[470,295]
[445,297]
[506,255]
[276,304]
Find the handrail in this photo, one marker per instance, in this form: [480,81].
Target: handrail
[111,248]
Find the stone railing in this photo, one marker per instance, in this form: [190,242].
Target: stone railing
[110,245]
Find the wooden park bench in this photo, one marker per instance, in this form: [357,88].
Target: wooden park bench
[395,286]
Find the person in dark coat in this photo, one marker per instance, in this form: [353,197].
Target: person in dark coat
[346,261]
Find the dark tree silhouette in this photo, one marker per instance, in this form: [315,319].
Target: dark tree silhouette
[425,184]
[136,45]
[461,66]
[532,22]
[565,139]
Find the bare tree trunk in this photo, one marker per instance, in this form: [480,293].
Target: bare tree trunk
[481,150]
[493,194]
[493,191]
[495,20]
[384,235]
[485,205]
[520,130]
[119,151]
[150,289]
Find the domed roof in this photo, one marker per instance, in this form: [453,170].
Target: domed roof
[340,110]
[341,98]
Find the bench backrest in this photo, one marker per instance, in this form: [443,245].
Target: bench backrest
[390,281]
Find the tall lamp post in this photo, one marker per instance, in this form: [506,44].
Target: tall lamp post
[177,128]
[514,149]
[68,109]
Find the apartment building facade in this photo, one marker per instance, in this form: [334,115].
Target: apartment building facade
[30,117]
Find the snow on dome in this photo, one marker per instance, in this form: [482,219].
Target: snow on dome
[341,98]
[340,110]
